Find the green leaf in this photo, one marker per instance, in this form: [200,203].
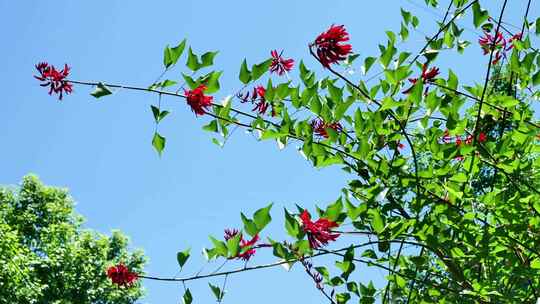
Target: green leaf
[101,90]
[158,115]
[387,54]
[187,298]
[182,257]
[259,69]
[377,221]
[479,15]
[536,78]
[212,82]
[459,177]
[162,115]
[368,62]
[217,292]
[291,225]
[192,84]
[158,142]
[262,217]
[171,55]
[155,112]
[207,59]
[537,25]
[406,16]
[193,61]
[249,225]
[220,247]
[415,95]
[212,126]
[404,32]
[233,245]
[389,103]
[245,74]
[333,211]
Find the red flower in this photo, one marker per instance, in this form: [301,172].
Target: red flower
[482,137]
[329,47]
[261,105]
[280,65]
[400,145]
[257,98]
[458,141]
[54,79]
[197,100]
[319,127]
[121,276]
[318,233]
[427,77]
[496,43]
[247,249]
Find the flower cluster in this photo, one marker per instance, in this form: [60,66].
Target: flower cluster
[498,44]
[121,276]
[196,99]
[247,249]
[257,98]
[319,127]
[318,232]
[54,79]
[460,140]
[280,65]
[329,45]
[427,77]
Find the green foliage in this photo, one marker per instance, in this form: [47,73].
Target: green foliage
[101,90]
[444,175]
[182,257]
[171,55]
[46,257]
[158,142]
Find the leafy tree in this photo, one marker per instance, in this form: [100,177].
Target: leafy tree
[444,176]
[46,257]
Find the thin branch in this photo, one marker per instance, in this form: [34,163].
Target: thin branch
[486,81]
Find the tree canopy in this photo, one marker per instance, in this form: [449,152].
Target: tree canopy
[47,257]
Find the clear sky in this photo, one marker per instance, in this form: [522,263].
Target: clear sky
[101,151]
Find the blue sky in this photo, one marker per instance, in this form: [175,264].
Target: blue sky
[100,149]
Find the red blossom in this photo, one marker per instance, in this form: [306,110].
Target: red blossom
[121,276]
[261,105]
[246,247]
[427,77]
[257,98]
[496,43]
[318,232]
[197,100]
[329,47]
[400,145]
[319,127]
[458,141]
[482,137]
[54,79]
[280,65]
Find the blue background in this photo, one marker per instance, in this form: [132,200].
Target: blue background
[101,151]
